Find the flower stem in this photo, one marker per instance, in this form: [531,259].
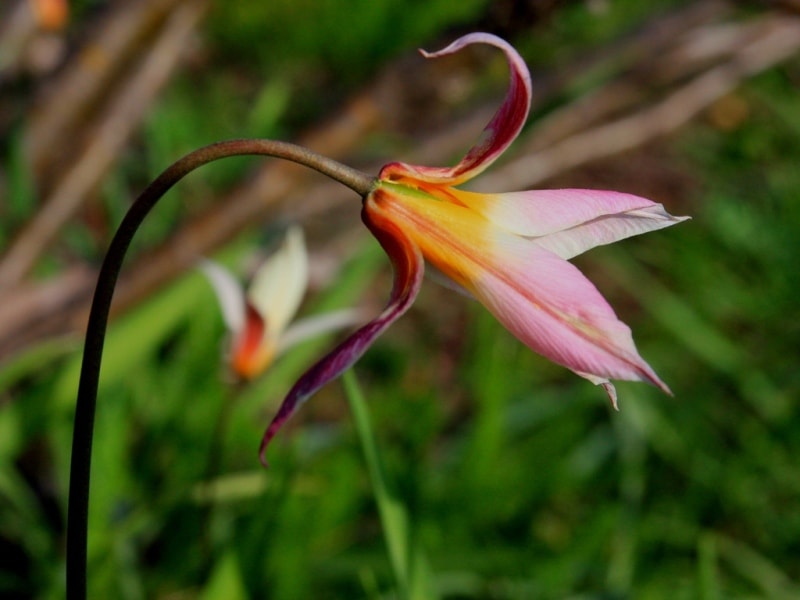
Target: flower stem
[80,465]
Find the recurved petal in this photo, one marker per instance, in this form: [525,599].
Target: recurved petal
[408,273]
[230,294]
[550,306]
[570,221]
[498,134]
[280,283]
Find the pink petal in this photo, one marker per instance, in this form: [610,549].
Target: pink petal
[551,307]
[569,222]
[541,298]
[408,274]
[498,134]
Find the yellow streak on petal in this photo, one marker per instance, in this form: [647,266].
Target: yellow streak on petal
[464,245]
[455,240]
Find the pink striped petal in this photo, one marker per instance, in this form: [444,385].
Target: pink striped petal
[498,134]
[541,298]
[569,222]
[409,269]
[607,230]
[550,306]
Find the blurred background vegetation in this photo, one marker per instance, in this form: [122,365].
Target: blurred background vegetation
[518,479]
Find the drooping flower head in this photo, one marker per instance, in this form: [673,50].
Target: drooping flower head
[260,321]
[510,251]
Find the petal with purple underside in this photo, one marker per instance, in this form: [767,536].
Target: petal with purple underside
[408,273]
[498,134]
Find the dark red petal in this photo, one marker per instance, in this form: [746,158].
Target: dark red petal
[408,272]
[498,134]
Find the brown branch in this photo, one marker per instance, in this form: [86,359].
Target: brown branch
[36,311]
[119,121]
[17,27]
[60,111]
[280,191]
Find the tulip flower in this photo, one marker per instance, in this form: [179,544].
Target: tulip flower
[260,320]
[510,251]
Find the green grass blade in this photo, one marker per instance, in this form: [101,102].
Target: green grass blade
[409,564]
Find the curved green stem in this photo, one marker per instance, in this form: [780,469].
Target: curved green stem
[80,465]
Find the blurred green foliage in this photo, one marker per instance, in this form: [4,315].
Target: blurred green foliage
[519,482]
[346,37]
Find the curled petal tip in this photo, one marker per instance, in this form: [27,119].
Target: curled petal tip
[286,410]
[612,394]
[612,391]
[465,40]
[277,422]
[501,130]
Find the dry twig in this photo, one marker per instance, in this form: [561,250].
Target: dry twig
[663,99]
[108,137]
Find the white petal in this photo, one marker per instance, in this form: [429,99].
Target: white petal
[229,293]
[280,284]
[313,326]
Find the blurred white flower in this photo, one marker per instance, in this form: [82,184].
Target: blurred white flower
[260,319]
